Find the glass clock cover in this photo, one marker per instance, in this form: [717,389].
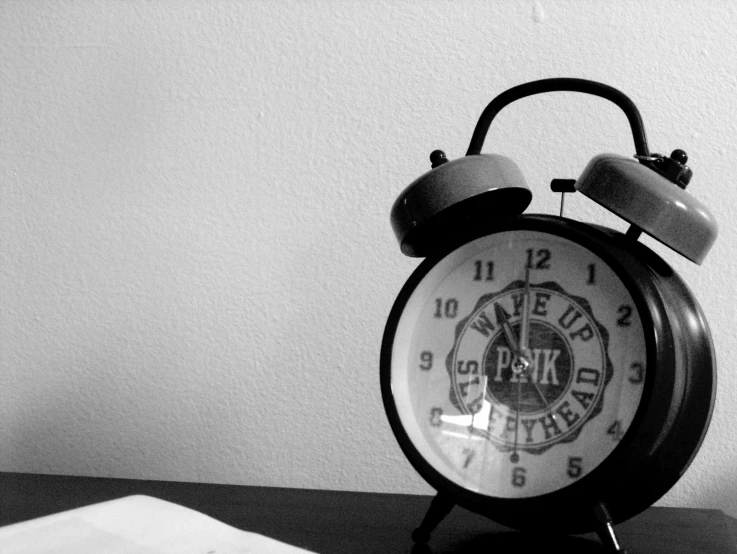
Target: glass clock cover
[518,364]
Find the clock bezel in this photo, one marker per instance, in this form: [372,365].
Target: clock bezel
[567,509]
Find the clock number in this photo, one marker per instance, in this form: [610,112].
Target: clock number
[538,259]
[480,275]
[575,467]
[615,430]
[447,309]
[625,315]
[435,415]
[592,275]
[637,373]
[426,360]
[469,453]
[471,366]
[519,477]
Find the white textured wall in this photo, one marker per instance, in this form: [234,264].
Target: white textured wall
[196,259]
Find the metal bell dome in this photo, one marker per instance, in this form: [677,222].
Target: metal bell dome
[653,201]
[455,196]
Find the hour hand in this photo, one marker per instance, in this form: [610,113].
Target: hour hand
[502,319]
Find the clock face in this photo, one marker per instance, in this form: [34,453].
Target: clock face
[518,364]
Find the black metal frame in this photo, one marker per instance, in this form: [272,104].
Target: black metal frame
[658,446]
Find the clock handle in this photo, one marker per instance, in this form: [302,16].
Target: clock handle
[560,84]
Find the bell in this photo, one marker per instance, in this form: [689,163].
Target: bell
[652,197]
[455,197]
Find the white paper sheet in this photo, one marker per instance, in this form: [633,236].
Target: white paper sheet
[134,525]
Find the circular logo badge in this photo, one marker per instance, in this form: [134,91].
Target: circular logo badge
[534,399]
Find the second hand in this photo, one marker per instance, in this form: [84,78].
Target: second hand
[523,362]
[514,458]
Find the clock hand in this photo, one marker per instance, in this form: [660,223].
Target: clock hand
[542,396]
[519,366]
[502,319]
[524,333]
[514,458]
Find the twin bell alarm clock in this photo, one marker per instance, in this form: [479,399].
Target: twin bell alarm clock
[552,375]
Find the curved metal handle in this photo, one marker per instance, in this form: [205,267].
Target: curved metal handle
[560,84]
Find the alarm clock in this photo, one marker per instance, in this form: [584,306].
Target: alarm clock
[552,375]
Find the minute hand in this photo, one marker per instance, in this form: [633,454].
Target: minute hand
[524,333]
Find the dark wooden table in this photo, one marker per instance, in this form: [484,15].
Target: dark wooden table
[353,522]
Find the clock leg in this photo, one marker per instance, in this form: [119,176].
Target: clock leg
[439,508]
[605,529]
